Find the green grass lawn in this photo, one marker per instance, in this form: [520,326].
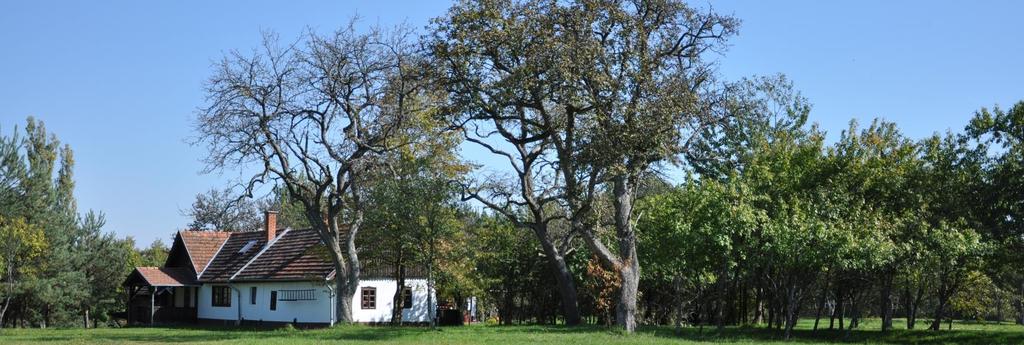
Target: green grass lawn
[962,333]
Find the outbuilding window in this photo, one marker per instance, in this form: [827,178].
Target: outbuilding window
[407,297]
[369,300]
[252,295]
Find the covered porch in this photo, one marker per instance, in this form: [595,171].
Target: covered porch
[161,295]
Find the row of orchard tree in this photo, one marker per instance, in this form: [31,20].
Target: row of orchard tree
[572,112]
[875,224]
[57,266]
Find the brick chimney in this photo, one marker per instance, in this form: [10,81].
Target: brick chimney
[270,224]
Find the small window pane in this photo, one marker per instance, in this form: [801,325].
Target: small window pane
[369,298]
[407,297]
[252,295]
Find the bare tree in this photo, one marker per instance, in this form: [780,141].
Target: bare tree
[219,210]
[308,116]
[491,72]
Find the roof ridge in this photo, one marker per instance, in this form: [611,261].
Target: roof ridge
[214,257]
[257,256]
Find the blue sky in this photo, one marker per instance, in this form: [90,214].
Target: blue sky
[119,81]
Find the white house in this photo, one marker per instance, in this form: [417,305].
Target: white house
[265,277]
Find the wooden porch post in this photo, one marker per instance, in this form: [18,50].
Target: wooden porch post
[195,304]
[129,304]
[152,303]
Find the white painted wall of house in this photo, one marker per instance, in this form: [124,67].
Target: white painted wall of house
[314,311]
[386,288]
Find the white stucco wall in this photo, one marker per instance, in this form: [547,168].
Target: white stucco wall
[386,289]
[315,311]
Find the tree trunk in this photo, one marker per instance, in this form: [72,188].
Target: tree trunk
[940,312]
[744,299]
[85,318]
[345,259]
[885,302]
[677,308]
[629,265]
[625,262]
[564,280]
[780,320]
[841,311]
[792,309]
[505,313]
[3,311]
[398,300]
[10,290]
[832,315]
[758,306]
[1020,304]
[625,311]
[999,305]
[914,303]
[346,292]
[946,290]
[821,305]
[431,305]
[721,300]
[854,312]
[907,302]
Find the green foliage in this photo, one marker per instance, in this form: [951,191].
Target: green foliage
[796,219]
[58,265]
[155,255]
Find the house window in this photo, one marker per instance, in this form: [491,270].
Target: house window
[407,297]
[221,296]
[273,300]
[252,295]
[369,295]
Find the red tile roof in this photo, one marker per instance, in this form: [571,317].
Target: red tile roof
[230,258]
[202,245]
[295,255]
[300,255]
[165,276]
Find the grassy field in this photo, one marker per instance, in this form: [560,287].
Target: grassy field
[962,333]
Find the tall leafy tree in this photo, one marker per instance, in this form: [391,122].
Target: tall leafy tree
[579,97]
[412,203]
[1000,134]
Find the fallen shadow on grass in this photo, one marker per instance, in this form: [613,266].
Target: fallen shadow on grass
[765,335]
[709,334]
[182,334]
[870,336]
